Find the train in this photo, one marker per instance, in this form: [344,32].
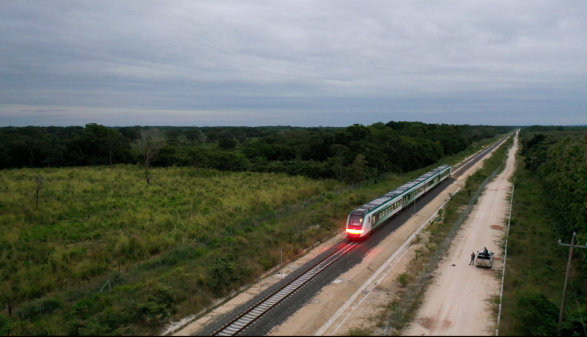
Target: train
[364,219]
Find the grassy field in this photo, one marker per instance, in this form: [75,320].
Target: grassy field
[93,220]
[90,219]
[170,248]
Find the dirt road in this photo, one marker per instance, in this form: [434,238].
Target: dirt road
[457,303]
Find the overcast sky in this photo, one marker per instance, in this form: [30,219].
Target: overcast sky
[305,63]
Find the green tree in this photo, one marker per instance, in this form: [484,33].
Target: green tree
[174,133]
[112,143]
[338,151]
[227,143]
[358,171]
[194,135]
[198,156]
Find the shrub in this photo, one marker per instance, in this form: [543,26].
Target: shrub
[93,328]
[538,316]
[152,313]
[267,263]
[29,310]
[4,326]
[162,295]
[176,255]
[81,308]
[403,279]
[225,275]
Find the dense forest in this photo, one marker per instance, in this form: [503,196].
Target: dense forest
[560,160]
[351,154]
[550,203]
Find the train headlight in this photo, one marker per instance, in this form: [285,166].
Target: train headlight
[354,231]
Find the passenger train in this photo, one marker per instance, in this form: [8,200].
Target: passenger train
[362,220]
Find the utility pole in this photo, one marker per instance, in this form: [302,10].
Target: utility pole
[572,245]
[281,262]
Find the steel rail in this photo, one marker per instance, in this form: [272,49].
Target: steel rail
[480,154]
[256,311]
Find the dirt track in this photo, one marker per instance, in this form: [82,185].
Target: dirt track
[457,303]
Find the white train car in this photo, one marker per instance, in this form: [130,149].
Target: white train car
[362,220]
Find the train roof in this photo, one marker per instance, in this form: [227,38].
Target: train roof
[400,190]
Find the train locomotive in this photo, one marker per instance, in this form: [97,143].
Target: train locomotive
[362,220]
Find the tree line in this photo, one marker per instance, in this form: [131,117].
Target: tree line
[347,154]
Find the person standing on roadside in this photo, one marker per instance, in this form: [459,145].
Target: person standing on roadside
[472,258]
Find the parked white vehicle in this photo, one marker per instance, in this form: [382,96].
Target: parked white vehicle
[484,258]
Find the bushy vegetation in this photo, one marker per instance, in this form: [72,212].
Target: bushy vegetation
[348,154]
[93,220]
[169,248]
[549,204]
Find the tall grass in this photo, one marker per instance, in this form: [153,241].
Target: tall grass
[91,218]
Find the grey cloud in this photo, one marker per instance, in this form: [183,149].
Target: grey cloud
[326,62]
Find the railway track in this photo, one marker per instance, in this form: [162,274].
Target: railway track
[248,317]
[245,319]
[456,172]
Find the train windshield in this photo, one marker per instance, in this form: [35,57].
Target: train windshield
[356,219]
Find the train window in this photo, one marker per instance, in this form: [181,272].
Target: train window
[356,218]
